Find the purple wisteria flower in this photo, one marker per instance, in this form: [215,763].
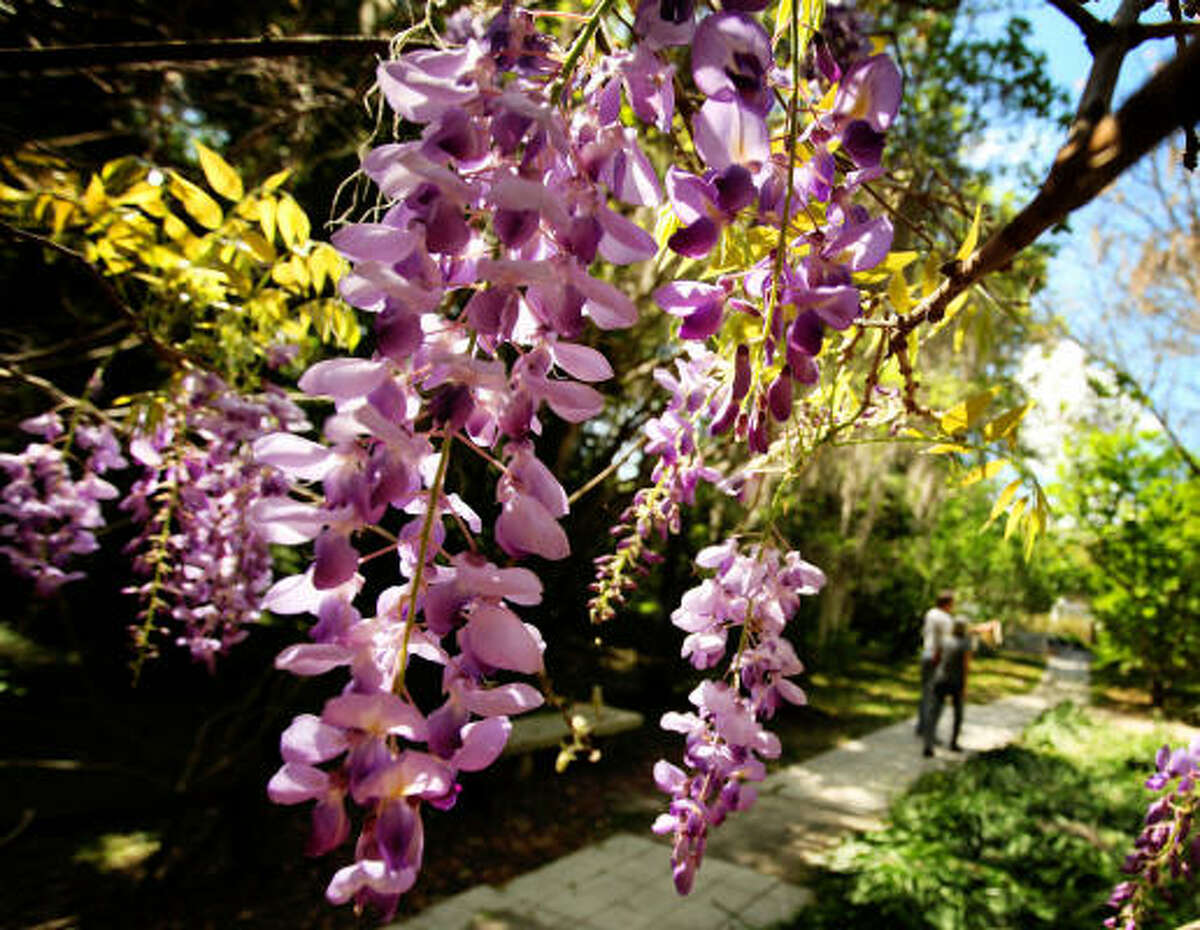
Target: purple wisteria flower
[753,593]
[50,507]
[1167,848]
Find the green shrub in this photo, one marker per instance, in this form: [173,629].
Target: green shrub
[1032,835]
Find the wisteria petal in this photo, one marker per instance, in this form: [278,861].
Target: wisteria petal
[503,700]
[500,639]
[313,658]
[482,743]
[728,134]
[296,782]
[295,456]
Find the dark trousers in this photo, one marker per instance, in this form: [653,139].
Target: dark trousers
[927,667]
[938,692]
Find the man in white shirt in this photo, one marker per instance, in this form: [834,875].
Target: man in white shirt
[938,627]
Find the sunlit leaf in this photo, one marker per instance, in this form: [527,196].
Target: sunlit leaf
[220,175]
[275,180]
[201,207]
[266,217]
[898,293]
[94,199]
[947,448]
[965,414]
[968,245]
[1014,516]
[983,472]
[1004,424]
[1002,502]
[293,223]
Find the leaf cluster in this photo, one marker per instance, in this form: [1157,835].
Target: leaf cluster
[223,275]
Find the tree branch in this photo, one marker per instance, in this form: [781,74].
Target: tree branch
[111,296]
[1091,160]
[119,54]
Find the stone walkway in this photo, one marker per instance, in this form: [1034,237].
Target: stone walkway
[755,860]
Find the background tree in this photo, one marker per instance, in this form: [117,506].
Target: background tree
[1137,511]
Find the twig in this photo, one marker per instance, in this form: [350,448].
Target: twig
[118,54]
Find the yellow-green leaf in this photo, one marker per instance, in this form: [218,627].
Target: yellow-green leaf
[898,261]
[266,217]
[1014,516]
[963,415]
[898,293]
[783,18]
[220,174]
[202,208]
[293,224]
[1006,422]
[275,180]
[984,471]
[260,247]
[1002,502]
[93,197]
[968,246]
[946,448]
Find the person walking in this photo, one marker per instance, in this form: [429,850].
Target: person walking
[935,630]
[949,680]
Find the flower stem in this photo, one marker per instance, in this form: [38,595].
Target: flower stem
[435,493]
[576,50]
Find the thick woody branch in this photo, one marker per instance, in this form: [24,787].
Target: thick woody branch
[140,53]
[1089,162]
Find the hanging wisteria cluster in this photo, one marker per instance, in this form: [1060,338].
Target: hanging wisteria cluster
[523,187]
[204,565]
[754,592]
[51,503]
[1167,849]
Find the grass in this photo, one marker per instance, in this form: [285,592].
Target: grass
[872,693]
[1127,693]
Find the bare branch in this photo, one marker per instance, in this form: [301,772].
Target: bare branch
[1091,160]
[120,54]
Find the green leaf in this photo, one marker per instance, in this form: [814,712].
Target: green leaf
[220,174]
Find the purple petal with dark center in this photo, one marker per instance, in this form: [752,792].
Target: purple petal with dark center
[806,333]
[735,189]
[515,227]
[863,144]
[731,52]
[334,560]
[696,240]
